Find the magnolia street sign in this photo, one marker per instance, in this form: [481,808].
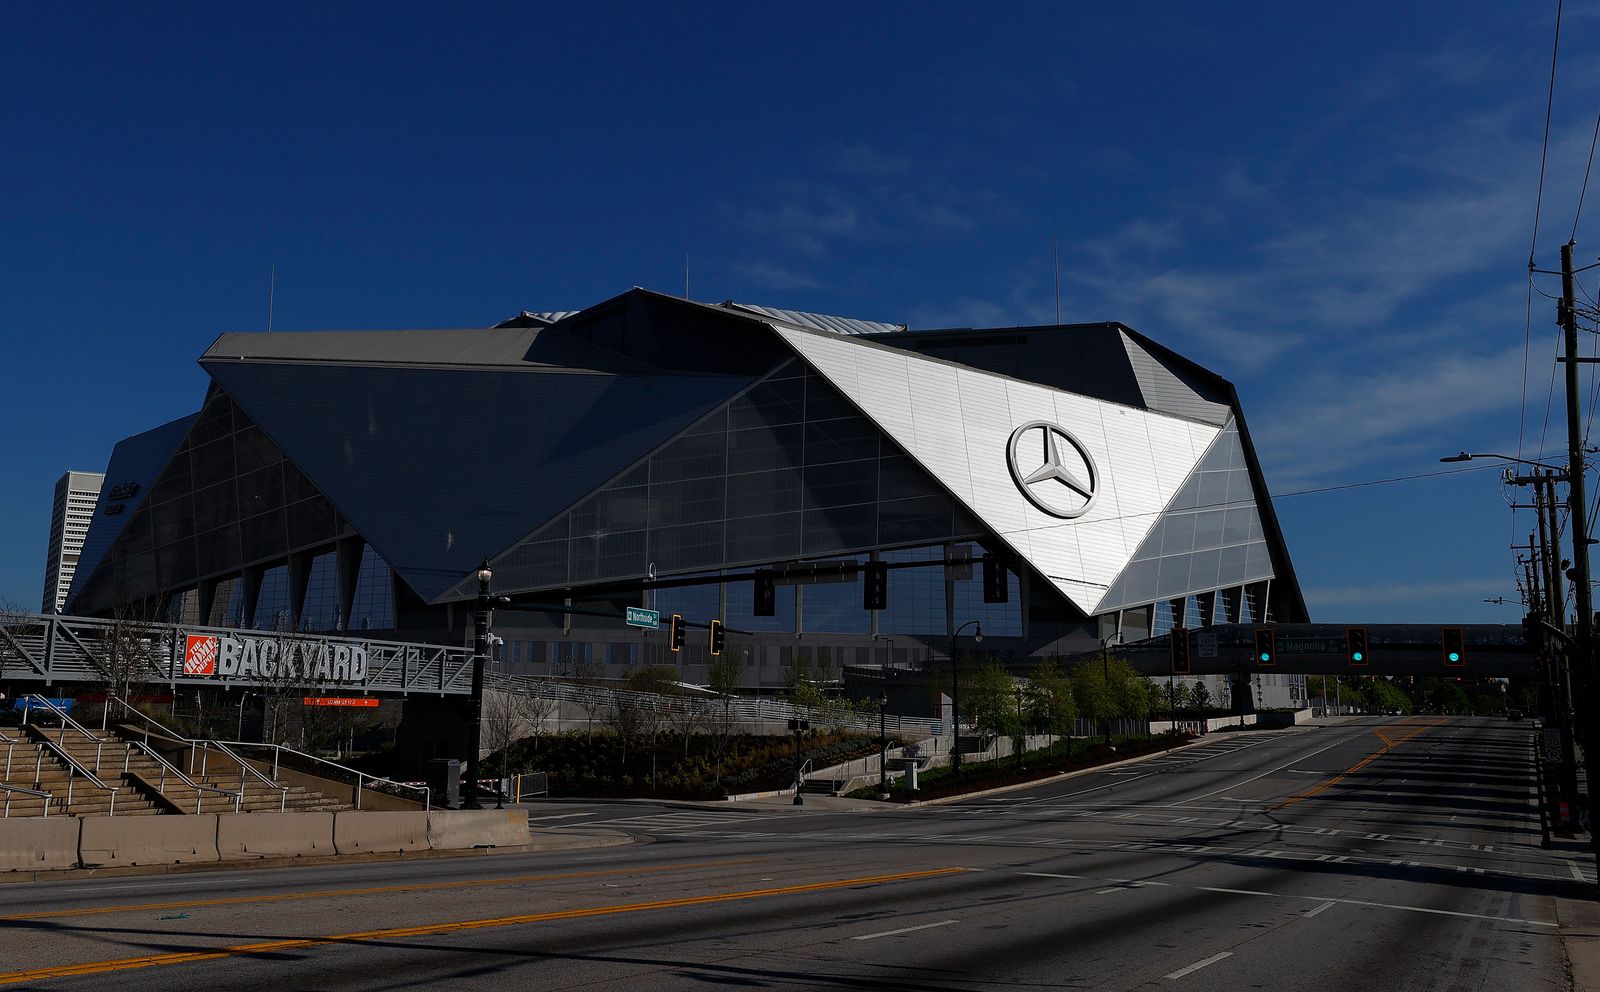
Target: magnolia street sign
[274,658]
[649,619]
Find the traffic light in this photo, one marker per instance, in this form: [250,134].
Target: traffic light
[718,635]
[1181,664]
[1533,632]
[766,595]
[1355,639]
[875,588]
[1453,646]
[996,588]
[1266,647]
[675,633]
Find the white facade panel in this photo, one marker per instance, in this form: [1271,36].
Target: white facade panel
[958,424]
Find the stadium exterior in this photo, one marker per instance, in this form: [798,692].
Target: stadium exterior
[655,452]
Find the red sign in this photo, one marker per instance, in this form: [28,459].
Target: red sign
[200,655]
[362,701]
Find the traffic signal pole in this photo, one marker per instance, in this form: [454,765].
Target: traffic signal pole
[1577,507]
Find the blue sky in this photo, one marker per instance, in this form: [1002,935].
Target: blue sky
[1333,208]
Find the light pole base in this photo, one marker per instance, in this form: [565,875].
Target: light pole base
[799,800]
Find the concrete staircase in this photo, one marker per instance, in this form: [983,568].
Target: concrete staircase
[144,786]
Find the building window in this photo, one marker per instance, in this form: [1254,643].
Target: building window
[272,602]
[321,608]
[373,608]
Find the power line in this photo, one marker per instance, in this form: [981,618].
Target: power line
[1585,187]
[1385,482]
[1544,154]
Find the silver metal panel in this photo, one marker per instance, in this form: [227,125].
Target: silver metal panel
[1164,391]
[957,423]
[820,321]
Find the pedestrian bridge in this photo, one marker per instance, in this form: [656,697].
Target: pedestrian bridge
[42,649]
[1489,651]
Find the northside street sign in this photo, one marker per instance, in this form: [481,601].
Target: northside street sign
[649,619]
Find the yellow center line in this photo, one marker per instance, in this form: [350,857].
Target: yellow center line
[1388,745]
[53,914]
[432,929]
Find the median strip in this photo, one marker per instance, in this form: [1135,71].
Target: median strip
[433,929]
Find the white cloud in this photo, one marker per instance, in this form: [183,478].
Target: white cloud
[1406,592]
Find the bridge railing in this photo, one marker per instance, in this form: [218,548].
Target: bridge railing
[36,647]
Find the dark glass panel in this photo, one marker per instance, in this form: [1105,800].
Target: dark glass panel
[838,529]
[841,484]
[840,441]
[765,450]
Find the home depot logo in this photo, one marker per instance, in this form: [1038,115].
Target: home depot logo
[200,655]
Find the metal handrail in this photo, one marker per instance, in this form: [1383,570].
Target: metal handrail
[59,713]
[198,787]
[66,721]
[280,749]
[9,789]
[74,767]
[246,770]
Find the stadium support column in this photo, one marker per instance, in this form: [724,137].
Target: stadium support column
[1582,665]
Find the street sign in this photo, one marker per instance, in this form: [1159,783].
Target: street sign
[1205,645]
[649,619]
[1552,745]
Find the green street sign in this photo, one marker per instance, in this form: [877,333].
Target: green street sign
[649,619]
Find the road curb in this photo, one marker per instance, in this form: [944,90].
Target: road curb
[1051,779]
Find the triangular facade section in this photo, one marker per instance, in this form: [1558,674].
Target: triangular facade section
[958,423]
[136,463]
[787,470]
[1210,536]
[225,499]
[440,468]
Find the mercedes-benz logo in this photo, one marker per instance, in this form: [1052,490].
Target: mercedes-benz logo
[1059,479]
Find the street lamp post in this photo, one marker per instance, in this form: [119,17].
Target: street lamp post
[955,689]
[480,651]
[883,745]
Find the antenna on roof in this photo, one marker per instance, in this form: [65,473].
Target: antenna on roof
[686,275]
[272,288]
[1055,255]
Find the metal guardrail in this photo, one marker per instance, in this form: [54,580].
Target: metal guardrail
[74,769]
[745,709]
[203,749]
[200,789]
[362,778]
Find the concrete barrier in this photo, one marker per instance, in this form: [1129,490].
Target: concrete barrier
[107,841]
[457,829]
[367,831]
[35,843]
[241,836]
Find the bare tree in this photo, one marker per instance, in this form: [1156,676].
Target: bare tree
[507,718]
[131,651]
[587,673]
[722,677]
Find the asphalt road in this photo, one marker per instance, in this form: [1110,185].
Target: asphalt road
[1384,854]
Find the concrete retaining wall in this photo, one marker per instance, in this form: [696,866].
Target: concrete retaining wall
[35,843]
[38,843]
[458,829]
[107,841]
[367,831]
[241,836]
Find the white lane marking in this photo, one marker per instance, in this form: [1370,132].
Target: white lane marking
[1046,874]
[1264,774]
[1313,912]
[892,933]
[1213,959]
[1576,873]
[559,816]
[1115,888]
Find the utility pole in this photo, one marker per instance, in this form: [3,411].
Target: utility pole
[1577,508]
